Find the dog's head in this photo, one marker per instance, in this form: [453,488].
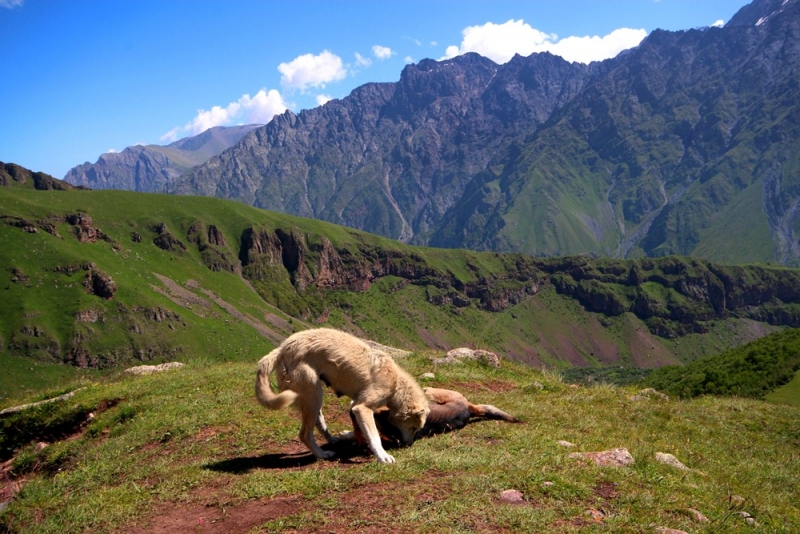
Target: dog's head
[409,421]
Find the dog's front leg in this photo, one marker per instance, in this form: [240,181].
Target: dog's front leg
[366,422]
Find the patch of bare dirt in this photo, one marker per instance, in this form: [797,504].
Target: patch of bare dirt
[491,386]
[434,340]
[212,517]
[523,353]
[647,352]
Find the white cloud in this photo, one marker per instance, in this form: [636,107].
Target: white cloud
[588,49]
[309,70]
[323,99]
[382,52]
[719,24]
[258,109]
[362,61]
[112,151]
[408,60]
[500,42]
[11,4]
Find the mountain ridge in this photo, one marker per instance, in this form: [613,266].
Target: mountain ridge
[658,151]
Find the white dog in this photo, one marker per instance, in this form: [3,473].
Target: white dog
[307,359]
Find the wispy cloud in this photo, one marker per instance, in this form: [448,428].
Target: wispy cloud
[500,42]
[258,109]
[323,99]
[362,61]
[309,70]
[11,4]
[718,24]
[382,52]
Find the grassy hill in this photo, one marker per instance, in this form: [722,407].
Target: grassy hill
[96,280]
[191,450]
[753,370]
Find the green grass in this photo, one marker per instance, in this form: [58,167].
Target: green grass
[194,443]
[788,393]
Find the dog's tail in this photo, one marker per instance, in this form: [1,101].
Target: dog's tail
[490,412]
[264,393]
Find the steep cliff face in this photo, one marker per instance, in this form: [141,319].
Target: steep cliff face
[151,167]
[304,267]
[676,296]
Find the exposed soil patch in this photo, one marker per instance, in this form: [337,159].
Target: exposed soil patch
[606,490]
[647,352]
[493,386]
[434,340]
[213,518]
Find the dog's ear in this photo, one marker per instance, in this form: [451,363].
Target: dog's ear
[418,410]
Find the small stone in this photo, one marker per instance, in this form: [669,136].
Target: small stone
[565,443]
[668,459]
[697,515]
[597,515]
[666,530]
[613,457]
[427,376]
[649,393]
[148,369]
[547,484]
[512,496]
[737,500]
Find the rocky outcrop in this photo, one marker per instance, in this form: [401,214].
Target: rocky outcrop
[165,240]
[99,283]
[14,175]
[211,244]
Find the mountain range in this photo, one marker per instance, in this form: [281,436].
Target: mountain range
[686,144]
[150,167]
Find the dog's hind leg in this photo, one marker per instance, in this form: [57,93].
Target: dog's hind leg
[323,428]
[310,405]
[365,418]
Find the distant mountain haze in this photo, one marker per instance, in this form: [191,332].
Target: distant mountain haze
[149,168]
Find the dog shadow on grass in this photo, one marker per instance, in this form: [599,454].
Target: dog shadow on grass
[347,452]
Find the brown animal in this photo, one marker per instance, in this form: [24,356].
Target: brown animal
[306,360]
[449,410]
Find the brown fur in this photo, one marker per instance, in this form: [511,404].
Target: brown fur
[450,410]
[308,359]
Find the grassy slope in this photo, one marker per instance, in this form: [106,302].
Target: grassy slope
[788,393]
[546,329]
[49,301]
[186,448]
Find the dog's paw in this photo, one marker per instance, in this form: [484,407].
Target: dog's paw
[348,435]
[386,459]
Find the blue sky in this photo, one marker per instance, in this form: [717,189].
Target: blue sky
[84,77]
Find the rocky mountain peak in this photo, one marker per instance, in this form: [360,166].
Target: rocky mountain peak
[760,12]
